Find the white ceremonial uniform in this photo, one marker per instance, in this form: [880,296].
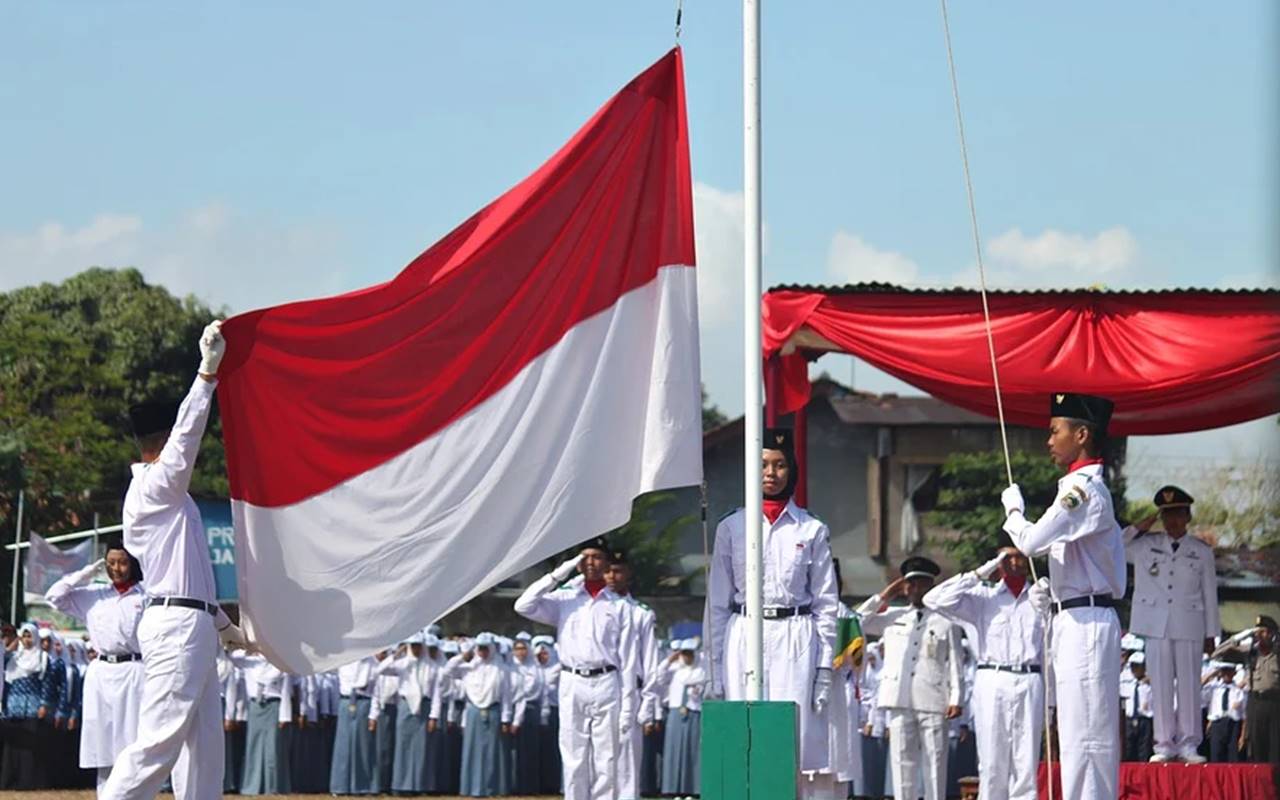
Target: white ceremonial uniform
[264,682]
[596,641]
[798,576]
[112,693]
[180,723]
[923,673]
[644,692]
[1008,685]
[1175,608]
[1086,559]
[484,684]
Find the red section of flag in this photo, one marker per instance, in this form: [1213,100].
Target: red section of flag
[316,392]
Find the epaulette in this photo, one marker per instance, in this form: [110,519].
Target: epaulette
[728,514]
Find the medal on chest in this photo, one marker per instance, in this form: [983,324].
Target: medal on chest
[1154,569]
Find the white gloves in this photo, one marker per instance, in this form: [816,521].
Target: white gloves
[1012,501]
[988,569]
[1041,599]
[212,346]
[821,689]
[233,638]
[565,571]
[626,718]
[85,574]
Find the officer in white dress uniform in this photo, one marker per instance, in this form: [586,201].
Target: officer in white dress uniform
[645,688]
[922,681]
[1008,686]
[1175,608]
[595,632]
[1086,567]
[800,604]
[180,723]
[113,681]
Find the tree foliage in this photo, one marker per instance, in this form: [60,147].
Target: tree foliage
[651,543]
[73,357]
[969,500]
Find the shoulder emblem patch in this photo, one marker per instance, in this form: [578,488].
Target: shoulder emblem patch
[1073,499]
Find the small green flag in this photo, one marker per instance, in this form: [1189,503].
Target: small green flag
[849,642]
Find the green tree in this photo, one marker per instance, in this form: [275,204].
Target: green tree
[712,416]
[73,357]
[650,540]
[969,500]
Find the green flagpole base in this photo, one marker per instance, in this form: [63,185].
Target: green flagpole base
[748,751]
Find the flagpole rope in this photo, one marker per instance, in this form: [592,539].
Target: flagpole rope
[679,18]
[991,345]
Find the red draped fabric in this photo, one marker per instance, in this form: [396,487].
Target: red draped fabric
[1140,781]
[1173,361]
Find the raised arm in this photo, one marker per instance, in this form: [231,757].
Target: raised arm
[535,604]
[71,595]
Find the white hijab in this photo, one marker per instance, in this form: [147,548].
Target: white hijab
[25,661]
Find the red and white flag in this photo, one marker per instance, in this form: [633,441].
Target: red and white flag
[395,451]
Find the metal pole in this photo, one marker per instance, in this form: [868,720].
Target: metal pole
[752,349]
[95,536]
[17,556]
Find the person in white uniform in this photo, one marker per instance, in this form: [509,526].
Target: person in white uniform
[595,632]
[113,681]
[1137,711]
[922,681]
[1175,609]
[1008,686]
[800,604]
[180,722]
[1079,534]
[644,689]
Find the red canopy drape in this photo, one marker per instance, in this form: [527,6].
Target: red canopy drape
[1173,361]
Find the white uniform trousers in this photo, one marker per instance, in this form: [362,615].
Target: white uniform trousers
[1008,719]
[630,749]
[1174,666]
[790,662]
[180,722]
[589,735]
[1086,662]
[918,754]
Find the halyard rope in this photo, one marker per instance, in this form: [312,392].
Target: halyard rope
[991,349]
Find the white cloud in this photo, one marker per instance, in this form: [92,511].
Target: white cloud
[717,225]
[1110,251]
[220,256]
[850,259]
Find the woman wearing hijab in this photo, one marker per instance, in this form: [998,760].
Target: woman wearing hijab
[489,710]
[526,723]
[113,681]
[354,766]
[445,717]
[413,706]
[684,678]
[550,769]
[23,765]
[269,693]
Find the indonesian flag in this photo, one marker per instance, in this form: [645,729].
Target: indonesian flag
[395,451]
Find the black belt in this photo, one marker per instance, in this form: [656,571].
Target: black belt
[594,672]
[1021,669]
[774,612]
[1094,600]
[183,602]
[119,658]
[358,696]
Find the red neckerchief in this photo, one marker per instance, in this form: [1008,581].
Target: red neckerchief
[773,508]
[593,587]
[1015,584]
[123,588]
[1080,463]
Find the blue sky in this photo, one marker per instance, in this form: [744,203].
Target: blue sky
[255,153]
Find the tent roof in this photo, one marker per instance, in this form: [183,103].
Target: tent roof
[878,287]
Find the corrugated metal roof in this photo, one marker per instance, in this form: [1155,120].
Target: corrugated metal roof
[877,287]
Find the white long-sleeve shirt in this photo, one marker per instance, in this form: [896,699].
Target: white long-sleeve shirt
[527,684]
[683,685]
[356,679]
[648,661]
[111,617]
[264,682]
[162,525]
[1080,535]
[591,632]
[1224,699]
[1009,631]
[797,572]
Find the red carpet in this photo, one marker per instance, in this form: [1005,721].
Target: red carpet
[1185,782]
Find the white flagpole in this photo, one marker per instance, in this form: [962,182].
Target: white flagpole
[752,422]
[17,555]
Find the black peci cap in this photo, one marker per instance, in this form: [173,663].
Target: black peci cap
[156,416]
[1087,408]
[920,567]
